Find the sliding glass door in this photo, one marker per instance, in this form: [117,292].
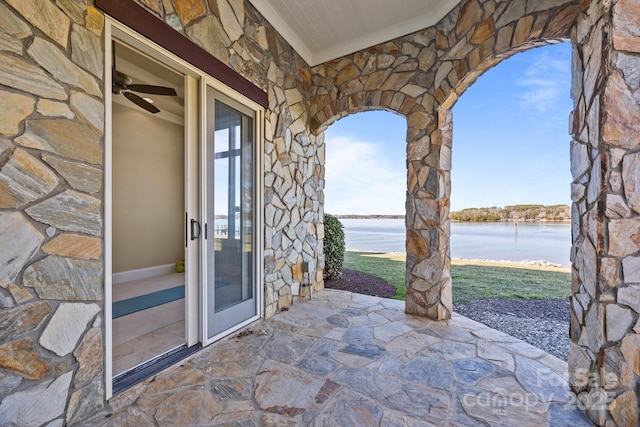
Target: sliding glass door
[182,210]
[229,229]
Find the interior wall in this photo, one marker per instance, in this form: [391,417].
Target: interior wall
[148,190]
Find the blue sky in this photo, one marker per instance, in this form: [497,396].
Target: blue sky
[510,143]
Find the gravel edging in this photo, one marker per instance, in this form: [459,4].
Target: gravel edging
[542,323]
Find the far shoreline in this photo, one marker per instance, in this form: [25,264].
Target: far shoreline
[522,221]
[540,265]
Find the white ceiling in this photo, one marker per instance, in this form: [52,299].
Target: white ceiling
[145,70]
[322,30]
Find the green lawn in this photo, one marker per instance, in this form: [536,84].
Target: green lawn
[471,282]
[390,271]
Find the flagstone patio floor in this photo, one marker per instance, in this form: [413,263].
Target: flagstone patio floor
[346,359]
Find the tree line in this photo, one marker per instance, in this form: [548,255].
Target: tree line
[515,213]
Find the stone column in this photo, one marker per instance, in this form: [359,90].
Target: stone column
[604,358]
[428,189]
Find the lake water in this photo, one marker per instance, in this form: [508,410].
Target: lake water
[496,241]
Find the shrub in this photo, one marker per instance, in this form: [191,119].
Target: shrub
[333,247]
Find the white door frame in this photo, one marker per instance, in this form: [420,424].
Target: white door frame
[206,192]
[195,80]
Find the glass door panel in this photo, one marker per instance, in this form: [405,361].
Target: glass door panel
[230,214]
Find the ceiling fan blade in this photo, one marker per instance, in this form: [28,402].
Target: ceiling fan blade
[154,90]
[141,102]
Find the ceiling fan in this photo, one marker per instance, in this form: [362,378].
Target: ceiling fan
[122,84]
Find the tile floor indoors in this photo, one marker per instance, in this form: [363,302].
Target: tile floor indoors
[145,347]
[354,360]
[143,335]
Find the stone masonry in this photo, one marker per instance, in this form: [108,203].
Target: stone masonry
[234,32]
[346,359]
[51,187]
[51,194]
[420,76]
[51,175]
[604,357]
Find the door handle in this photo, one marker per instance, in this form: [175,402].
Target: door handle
[195,229]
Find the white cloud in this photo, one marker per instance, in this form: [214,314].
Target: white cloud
[359,180]
[545,82]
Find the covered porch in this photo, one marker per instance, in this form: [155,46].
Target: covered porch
[339,359]
[351,359]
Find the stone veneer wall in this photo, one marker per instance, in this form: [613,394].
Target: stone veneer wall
[420,76]
[51,192]
[604,358]
[51,187]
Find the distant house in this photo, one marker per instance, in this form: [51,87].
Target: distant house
[162,174]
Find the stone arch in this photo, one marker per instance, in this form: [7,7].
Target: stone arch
[356,110]
[420,76]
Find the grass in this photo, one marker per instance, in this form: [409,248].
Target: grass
[389,270]
[470,281]
[473,282]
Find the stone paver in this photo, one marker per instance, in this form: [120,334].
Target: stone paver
[294,370]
